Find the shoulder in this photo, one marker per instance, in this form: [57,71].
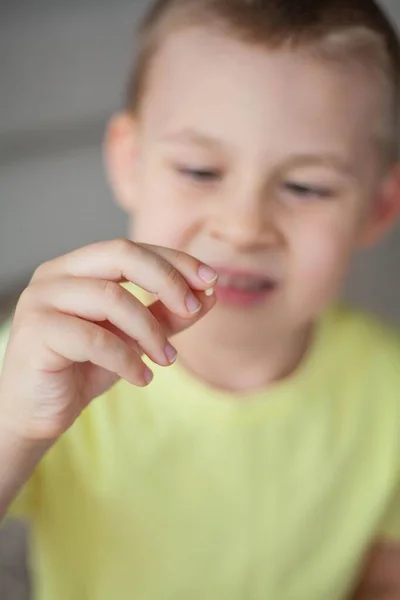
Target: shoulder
[365,340]
[355,321]
[362,367]
[364,385]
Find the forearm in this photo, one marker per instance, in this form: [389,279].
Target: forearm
[18,459]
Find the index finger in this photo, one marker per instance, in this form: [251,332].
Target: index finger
[173,323]
[169,274]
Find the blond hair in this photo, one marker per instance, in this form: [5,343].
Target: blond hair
[339,30]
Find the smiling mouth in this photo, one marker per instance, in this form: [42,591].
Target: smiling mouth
[244,290]
[246,283]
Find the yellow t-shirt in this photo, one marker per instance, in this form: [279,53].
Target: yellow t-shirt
[182,492]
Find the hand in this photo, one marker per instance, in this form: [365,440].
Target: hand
[76,330]
[380,578]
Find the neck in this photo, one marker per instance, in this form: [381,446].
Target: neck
[240,362]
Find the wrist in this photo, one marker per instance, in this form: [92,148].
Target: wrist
[18,443]
[19,456]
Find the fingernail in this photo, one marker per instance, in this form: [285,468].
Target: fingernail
[207,274]
[148,376]
[193,304]
[170,353]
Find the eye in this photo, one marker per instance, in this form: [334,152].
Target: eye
[305,191]
[200,174]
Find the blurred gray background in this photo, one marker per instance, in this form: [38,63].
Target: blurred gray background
[63,70]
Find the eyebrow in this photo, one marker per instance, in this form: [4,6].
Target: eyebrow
[190,136]
[328,159]
[322,160]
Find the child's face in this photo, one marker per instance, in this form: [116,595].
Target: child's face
[259,163]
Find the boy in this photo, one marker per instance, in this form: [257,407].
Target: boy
[261,139]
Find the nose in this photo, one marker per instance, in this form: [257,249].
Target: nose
[247,224]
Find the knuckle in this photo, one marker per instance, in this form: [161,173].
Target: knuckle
[172,275]
[44,320]
[26,297]
[97,337]
[130,361]
[113,292]
[124,357]
[183,259]
[32,324]
[26,303]
[177,256]
[155,329]
[40,271]
[123,245]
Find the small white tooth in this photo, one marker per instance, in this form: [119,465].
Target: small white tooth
[209,292]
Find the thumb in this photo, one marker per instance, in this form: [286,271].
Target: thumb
[172,323]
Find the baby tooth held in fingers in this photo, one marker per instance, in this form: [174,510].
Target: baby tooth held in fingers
[210,292]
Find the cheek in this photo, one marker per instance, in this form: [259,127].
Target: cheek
[160,218]
[321,253]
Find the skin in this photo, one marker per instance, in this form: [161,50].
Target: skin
[381,576]
[293,120]
[76,331]
[279,174]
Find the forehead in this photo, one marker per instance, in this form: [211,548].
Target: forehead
[251,94]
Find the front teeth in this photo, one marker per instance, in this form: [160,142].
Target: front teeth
[241,283]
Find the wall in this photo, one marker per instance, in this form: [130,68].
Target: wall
[62,73]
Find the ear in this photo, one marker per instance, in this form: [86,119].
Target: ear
[121,159]
[385,209]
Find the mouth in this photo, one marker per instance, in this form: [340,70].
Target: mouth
[244,289]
